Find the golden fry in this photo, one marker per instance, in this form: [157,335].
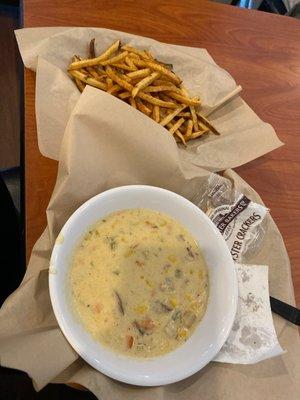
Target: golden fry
[123,76]
[120,81]
[185,100]
[114,60]
[184,91]
[194,118]
[142,107]
[170,116]
[109,83]
[176,125]
[158,67]
[158,102]
[141,73]
[189,129]
[149,54]
[114,89]
[160,88]
[156,113]
[132,102]
[140,63]
[192,110]
[96,61]
[163,80]
[164,97]
[79,84]
[75,59]
[144,83]
[130,63]
[197,134]
[182,128]
[207,124]
[134,56]
[122,66]
[184,114]
[202,127]
[177,133]
[99,71]
[124,95]
[92,72]
[87,80]
[140,53]
[168,66]
[111,50]
[181,137]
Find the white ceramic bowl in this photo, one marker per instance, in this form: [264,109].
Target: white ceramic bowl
[212,331]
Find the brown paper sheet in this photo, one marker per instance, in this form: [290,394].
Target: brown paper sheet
[49,50]
[99,152]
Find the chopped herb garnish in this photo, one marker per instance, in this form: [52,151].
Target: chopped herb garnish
[178,273]
[177,315]
[112,242]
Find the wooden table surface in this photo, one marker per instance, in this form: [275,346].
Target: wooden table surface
[261,51]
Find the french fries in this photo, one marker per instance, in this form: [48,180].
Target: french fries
[176,126]
[144,83]
[148,85]
[141,73]
[88,80]
[114,60]
[189,129]
[118,79]
[156,113]
[142,107]
[95,61]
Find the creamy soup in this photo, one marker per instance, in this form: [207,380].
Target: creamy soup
[139,282]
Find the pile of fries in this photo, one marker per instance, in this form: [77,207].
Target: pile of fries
[145,83]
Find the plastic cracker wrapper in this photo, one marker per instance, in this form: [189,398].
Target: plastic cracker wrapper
[240,220]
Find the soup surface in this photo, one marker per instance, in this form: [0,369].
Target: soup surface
[139,282]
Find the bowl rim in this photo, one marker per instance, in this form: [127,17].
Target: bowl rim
[75,343]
